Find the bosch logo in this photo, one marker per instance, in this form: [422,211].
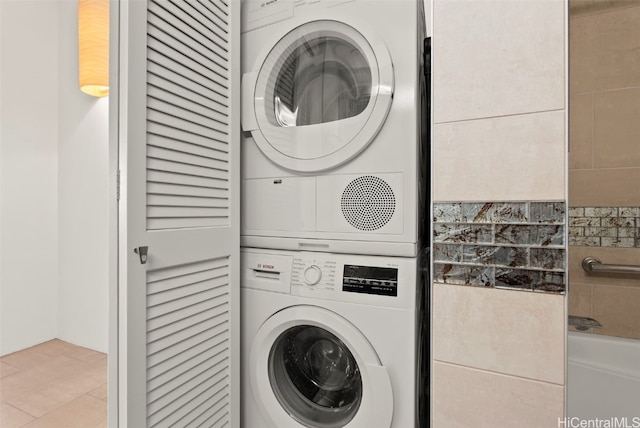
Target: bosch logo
[265,266]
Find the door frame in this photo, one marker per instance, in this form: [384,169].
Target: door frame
[114,195]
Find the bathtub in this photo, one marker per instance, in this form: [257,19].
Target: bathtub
[603,377]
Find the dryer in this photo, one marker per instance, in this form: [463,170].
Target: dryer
[332,341]
[334,119]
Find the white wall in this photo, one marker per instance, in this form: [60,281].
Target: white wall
[29,171]
[83,160]
[54,184]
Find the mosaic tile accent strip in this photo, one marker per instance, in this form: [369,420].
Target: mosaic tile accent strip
[605,226]
[512,245]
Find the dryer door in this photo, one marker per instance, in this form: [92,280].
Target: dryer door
[319,97]
[309,367]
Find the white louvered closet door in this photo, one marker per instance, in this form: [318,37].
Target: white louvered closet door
[178,124]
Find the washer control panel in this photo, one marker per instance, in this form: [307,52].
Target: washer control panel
[310,270]
[375,280]
[378,280]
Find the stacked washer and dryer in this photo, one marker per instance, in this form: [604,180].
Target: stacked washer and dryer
[334,193]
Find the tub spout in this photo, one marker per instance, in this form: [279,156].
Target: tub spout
[583,323]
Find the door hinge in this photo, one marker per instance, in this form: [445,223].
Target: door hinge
[118,185]
[426,59]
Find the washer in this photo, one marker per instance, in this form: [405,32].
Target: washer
[334,114]
[332,340]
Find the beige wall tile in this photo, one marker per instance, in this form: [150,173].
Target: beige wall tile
[605,51]
[465,397]
[610,255]
[618,310]
[497,57]
[604,187]
[579,299]
[506,331]
[617,128]
[508,158]
[615,299]
[579,7]
[581,131]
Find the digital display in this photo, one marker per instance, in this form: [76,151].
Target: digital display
[370,280]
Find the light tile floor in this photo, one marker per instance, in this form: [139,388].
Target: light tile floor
[53,385]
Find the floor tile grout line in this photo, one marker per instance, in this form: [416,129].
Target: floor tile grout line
[6,403]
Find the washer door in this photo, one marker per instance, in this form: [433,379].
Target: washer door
[309,367]
[320,96]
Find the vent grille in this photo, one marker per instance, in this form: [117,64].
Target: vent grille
[368,203]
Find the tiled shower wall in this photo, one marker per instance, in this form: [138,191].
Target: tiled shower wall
[499,146]
[510,245]
[604,163]
[605,226]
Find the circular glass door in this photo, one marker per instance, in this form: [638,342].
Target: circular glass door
[315,377]
[324,78]
[310,367]
[321,95]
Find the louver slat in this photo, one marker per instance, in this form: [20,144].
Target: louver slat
[155,311]
[187,354]
[216,17]
[186,147]
[174,289]
[160,101]
[209,39]
[184,223]
[188,181]
[208,112]
[174,369]
[185,180]
[161,79]
[156,279]
[167,189]
[157,132]
[172,71]
[186,169]
[219,162]
[191,401]
[187,115]
[186,212]
[165,394]
[162,43]
[176,201]
[185,121]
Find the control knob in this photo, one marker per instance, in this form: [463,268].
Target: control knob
[312,275]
